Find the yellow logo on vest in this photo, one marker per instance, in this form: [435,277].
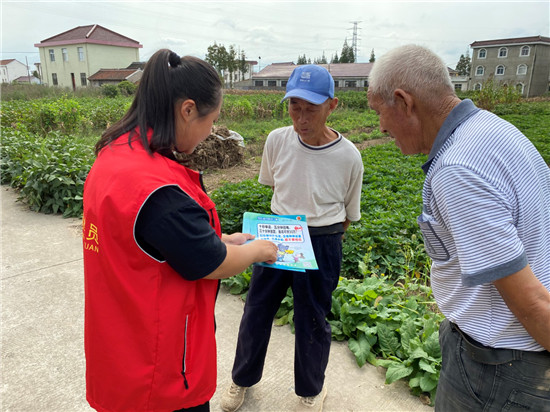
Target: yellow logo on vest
[91,240]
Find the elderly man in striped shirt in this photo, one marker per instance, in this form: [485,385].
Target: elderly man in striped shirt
[486,226]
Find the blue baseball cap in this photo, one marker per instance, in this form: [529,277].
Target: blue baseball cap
[311,83]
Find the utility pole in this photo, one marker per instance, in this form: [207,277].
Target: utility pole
[354,39]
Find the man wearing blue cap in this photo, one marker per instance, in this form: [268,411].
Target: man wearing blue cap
[314,171]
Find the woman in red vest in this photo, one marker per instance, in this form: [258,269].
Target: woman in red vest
[153,248]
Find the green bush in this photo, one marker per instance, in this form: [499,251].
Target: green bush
[62,114]
[48,171]
[236,108]
[126,88]
[110,90]
[493,93]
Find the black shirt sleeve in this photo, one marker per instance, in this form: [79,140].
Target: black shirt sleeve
[172,227]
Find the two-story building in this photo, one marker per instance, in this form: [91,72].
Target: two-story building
[12,69]
[459,81]
[69,58]
[522,62]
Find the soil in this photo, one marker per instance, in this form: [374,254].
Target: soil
[225,161]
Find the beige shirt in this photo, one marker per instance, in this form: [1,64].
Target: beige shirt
[322,182]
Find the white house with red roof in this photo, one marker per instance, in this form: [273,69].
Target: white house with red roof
[11,69]
[68,59]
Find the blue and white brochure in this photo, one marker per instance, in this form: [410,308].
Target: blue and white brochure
[291,236]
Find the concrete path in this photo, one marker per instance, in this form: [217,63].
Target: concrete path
[42,361]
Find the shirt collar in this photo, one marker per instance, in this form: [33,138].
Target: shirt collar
[458,115]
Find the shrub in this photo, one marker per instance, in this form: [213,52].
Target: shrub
[493,93]
[126,88]
[237,108]
[62,114]
[110,90]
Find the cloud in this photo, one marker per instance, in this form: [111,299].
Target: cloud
[278,31]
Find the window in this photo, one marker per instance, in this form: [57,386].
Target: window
[54,79]
[482,54]
[477,86]
[272,83]
[500,70]
[524,51]
[458,87]
[336,83]
[65,54]
[520,87]
[350,83]
[283,83]
[258,83]
[480,71]
[502,52]
[522,69]
[52,55]
[81,54]
[83,79]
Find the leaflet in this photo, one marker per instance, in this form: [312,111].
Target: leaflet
[291,236]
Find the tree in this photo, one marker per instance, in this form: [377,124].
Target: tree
[217,56]
[226,60]
[335,58]
[321,60]
[463,66]
[302,59]
[243,65]
[372,58]
[232,64]
[347,55]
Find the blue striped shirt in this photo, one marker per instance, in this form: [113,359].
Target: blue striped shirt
[486,215]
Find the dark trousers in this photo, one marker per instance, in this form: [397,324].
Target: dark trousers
[205,407]
[479,378]
[312,291]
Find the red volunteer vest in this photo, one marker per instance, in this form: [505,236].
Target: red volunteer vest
[149,333]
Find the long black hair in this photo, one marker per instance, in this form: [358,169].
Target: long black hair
[166,79]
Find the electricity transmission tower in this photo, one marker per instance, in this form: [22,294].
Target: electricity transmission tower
[354,39]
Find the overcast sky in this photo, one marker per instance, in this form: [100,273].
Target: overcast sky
[277,31]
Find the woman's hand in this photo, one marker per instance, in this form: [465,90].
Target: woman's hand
[236,238]
[267,250]
[241,255]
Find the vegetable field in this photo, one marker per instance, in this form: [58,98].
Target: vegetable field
[383,306]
